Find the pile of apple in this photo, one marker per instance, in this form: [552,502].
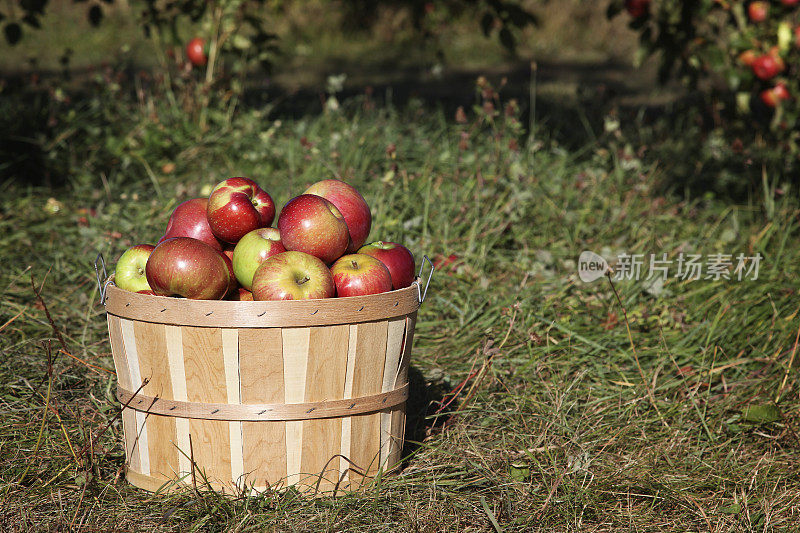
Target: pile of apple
[223,247]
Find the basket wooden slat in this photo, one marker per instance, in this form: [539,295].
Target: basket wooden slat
[151,347]
[342,358]
[264,443]
[367,380]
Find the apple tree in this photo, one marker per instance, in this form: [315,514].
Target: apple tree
[744,55]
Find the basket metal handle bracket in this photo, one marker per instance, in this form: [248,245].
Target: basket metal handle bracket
[422,293]
[102,279]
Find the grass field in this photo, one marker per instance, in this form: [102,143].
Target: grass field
[632,406]
[673,407]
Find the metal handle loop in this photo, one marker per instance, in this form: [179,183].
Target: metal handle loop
[421,294]
[102,280]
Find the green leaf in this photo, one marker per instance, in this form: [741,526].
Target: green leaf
[240,42]
[519,472]
[733,508]
[762,414]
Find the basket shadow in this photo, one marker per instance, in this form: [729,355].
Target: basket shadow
[425,396]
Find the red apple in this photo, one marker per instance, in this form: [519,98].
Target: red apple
[747,57]
[766,66]
[797,36]
[790,3]
[151,293]
[360,274]
[758,11]
[292,276]
[228,249]
[637,8]
[187,267]
[237,206]
[352,206]
[196,52]
[241,295]
[313,225]
[781,91]
[397,259]
[769,98]
[233,283]
[130,271]
[189,220]
[252,250]
[773,97]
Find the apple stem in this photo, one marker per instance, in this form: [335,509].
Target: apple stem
[355,265]
[303,280]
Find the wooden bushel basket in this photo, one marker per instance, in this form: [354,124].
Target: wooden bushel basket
[261,395]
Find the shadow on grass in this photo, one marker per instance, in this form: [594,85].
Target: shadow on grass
[424,399]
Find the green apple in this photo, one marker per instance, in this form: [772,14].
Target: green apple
[130,272]
[252,250]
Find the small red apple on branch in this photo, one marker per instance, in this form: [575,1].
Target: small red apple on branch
[196,52]
[767,66]
[758,11]
[774,96]
[637,8]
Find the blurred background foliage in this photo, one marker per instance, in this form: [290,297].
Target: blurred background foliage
[629,74]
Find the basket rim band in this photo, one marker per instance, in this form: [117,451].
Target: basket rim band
[261,314]
[263,412]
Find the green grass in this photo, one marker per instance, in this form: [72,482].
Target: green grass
[565,432]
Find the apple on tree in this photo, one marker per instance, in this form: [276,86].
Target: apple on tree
[774,96]
[252,250]
[236,207]
[196,52]
[313,225]
[758,11]
[189,219]
[187,267]
[359,275]
[637,8]
[351,204]
[767,66]
[748,57]
[397,258]
[130,270]
[292,276]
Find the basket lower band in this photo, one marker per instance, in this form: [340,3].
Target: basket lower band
[263,412]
